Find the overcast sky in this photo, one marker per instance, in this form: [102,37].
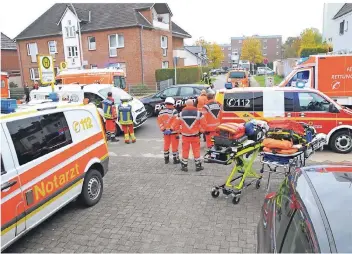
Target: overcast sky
[216,20]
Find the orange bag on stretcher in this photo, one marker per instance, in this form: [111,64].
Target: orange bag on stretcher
[277,144]
[280,151]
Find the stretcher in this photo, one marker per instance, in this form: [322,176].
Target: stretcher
[274,161]
[242,154]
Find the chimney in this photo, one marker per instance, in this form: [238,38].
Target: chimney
[89,16]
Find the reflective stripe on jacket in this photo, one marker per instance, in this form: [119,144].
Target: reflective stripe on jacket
[108,108]
[166,118]
[212,114]
[125,114]
[190,122]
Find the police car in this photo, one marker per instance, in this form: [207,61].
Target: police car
[96,93]
[154,103]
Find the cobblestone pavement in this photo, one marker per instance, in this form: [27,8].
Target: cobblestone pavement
[148,206]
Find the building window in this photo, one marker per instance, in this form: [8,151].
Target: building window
[32,50]
[34,73]
[229,48]
[164,52]
[94,66]
[239,41]
[264,53]
[277,53]
[37,136]
[265,47]
[72,51]
[163,42]
[91,43]
[165,65]
[277,46]
[278,39]
[222,48]
[70,30]
[342,27]
[265,40]
[115,41]
[52,47]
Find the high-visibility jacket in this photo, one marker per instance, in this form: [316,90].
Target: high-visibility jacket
[201,101]
[190,122]
[212,114]
[125,114]
[109,108]
[166,118]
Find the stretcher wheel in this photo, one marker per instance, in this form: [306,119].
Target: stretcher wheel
[215,193]
[236,200]
[257,184]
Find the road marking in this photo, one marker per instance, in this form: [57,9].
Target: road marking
[112,154]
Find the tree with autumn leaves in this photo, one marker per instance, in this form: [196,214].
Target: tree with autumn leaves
[252,50]
[214,52]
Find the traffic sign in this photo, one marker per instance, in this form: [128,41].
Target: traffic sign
[265,61]
[46,69]
[63,66]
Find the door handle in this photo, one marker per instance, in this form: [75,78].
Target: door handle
[302,114]
[7,185]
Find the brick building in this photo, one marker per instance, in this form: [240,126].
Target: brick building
[271,45]
[9,60]
[226,49]
[138,38]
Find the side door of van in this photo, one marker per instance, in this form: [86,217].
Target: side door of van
[12,201]
[313,109]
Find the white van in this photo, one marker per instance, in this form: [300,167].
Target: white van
[96,93]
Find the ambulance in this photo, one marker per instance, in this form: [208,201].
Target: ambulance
[115,77]
[96,93]
[300,104]
[5,88]
[51,154]
[238,76]
[330,74]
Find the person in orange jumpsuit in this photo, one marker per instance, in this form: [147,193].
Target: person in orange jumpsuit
[202,100]
[110,117]
[212,113]
[191,123]
[166,119]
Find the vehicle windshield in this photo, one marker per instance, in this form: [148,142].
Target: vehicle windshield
[237,74]
[119,82]
[116,93]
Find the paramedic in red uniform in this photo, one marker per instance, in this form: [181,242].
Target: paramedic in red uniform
[191,123]
[212,115]
[110,117]
[166,119]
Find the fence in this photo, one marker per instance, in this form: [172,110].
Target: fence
[17,92]
[149,87]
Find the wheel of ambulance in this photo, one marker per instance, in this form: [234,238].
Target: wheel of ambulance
[150,111]
[341,141]
[215,193]
[236,200]
[257,184]
[92,188]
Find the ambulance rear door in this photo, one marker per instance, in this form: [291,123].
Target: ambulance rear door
[12,200]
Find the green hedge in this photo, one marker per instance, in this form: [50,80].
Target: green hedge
[185,75]
[306,52]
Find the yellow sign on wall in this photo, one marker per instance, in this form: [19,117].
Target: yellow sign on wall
[63,66]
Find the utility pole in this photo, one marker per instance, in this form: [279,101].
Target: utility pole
[79,34]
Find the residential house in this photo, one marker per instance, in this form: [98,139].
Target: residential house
[137,37]
[330,10]
[342,32]
[226,50]
[195,56]
[271,46]
[9,60]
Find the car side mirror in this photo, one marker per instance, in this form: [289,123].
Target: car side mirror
[163,97]
[332,108]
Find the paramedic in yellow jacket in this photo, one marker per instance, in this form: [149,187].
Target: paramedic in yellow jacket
[126,120]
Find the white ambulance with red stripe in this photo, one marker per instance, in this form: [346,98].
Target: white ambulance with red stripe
[51,154]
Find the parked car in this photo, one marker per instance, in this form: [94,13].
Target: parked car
[310,212]
[265,71]
[154,103]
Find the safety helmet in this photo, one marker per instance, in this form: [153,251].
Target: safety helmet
[210,91]
[170,100]
[124,98]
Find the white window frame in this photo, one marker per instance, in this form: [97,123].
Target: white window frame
[70,31]
[277,53]
[163,66]
[265,40]
[29,53]
[264,53]
[222,49]
[265,47]
[229,48]
[71,50]
[277,39]
[162,42]
[89,43]
[32,73]
[240,41]
[164,52]
[55,45]
[118,45]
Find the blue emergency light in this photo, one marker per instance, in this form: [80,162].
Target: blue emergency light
[228,85]
[8,105]
[54,97]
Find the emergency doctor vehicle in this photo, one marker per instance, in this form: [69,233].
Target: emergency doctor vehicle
[51,153]
[300,104]
[96,93]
